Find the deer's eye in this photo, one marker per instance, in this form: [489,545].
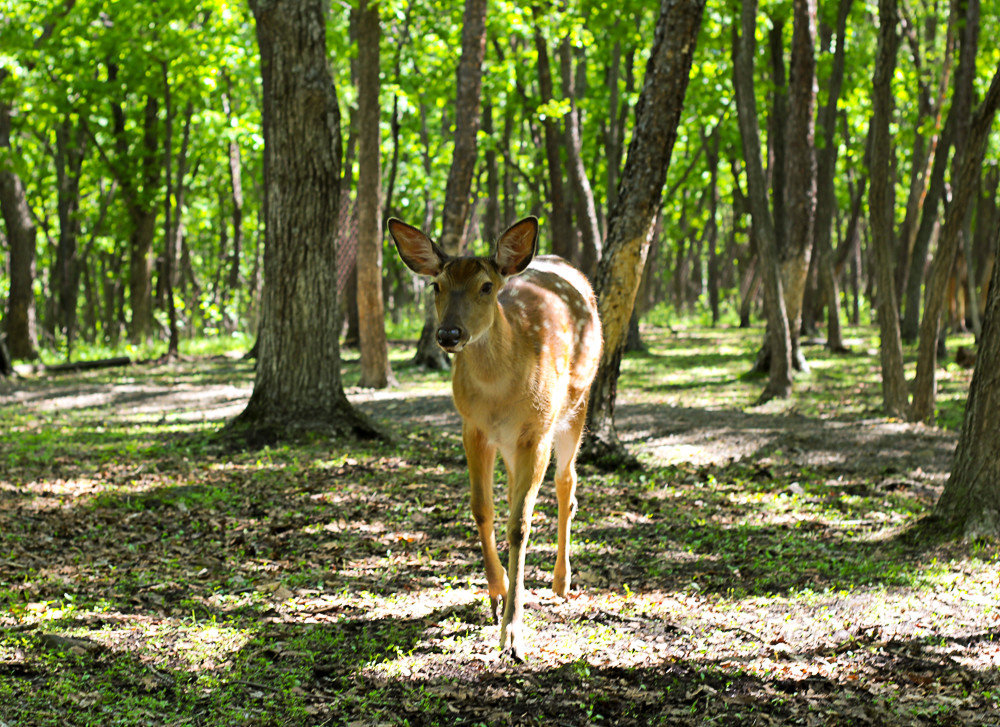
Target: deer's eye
[486,289]
[436,287]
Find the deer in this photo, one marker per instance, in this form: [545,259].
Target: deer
[526,339]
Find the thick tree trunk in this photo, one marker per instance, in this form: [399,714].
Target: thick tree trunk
[640,197]
[19,323]
[298,384]
[779,340]
[881,205]
[965,184]
[970,503]
[375,369]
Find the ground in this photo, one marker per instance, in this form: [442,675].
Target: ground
[767,565]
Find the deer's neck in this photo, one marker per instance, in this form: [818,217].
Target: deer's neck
[489,359]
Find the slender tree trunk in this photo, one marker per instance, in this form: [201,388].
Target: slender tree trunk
[468,112]
[69,162]
[631,221]
[881,205]
[586,216]
[965,184]
[563,235]
[825,193]
[236,191]
[375,369]
[491,217]
[779,340]
[298,384]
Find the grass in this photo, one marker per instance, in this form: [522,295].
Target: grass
[765,565]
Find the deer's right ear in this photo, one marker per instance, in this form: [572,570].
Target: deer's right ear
[416,249]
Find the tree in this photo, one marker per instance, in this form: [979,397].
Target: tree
[970,503]
[881,205]
[468,112]
[19,322]
[639,198]
[969,165]
[779,341]
[800,167]
[825,193]
[298,382]
[375,369]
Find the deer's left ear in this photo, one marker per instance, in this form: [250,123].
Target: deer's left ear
[517,246]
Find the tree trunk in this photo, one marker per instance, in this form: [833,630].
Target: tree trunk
[640,197]
[800,167]
[143,214]
[965,184]
[586,216]
[881,205]
[825,192]
[375,369]
[298,384]
[779,341]
[19,323]
[69,163]
[563,234]
[236,191]
[468,111]
[970,503]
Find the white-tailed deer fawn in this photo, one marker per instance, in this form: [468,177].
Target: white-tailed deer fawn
[527,341]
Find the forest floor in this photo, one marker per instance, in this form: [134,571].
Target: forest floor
[766,565]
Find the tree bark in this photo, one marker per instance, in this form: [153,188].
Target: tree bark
[881,206]
[800,167]
[19,323]
[298,384]
[640,197]
[375,369]
[779,340]
[468,112]
[970,503]
[965,183]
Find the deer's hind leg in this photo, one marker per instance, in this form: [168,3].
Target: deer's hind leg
[566,444]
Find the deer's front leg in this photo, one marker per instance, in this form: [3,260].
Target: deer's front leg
[481,456]
[528,471]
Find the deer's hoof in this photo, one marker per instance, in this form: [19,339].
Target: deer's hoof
[512,643]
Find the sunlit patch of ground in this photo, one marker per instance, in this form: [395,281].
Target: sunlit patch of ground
[759,569]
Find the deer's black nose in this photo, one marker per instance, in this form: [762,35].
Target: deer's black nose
[448,337]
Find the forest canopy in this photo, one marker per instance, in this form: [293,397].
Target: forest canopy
[135,133]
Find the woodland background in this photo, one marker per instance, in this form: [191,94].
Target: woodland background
[788,557]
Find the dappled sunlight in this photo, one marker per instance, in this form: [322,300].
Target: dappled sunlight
[760,553]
